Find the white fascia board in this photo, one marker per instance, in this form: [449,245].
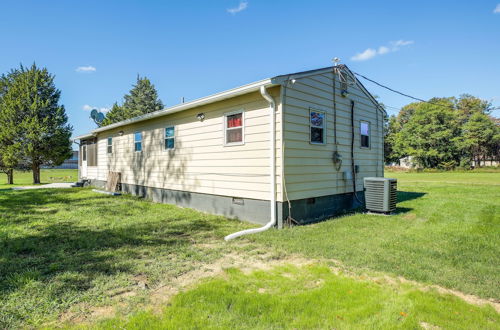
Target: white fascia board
[82,137]
[192,104]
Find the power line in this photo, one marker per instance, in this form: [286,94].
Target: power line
[409,96]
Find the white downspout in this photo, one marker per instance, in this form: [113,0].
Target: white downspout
[272,171]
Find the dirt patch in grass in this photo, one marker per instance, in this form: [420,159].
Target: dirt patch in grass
[246,262]
[468,298]
[158,297]
[243,262]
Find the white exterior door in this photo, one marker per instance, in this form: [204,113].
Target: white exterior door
[83,169]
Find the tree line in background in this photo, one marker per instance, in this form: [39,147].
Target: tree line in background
[34,127]
[443,133]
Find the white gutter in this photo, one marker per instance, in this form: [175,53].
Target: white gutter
[272,171]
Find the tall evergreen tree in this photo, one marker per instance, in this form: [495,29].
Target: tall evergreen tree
[10,154]
[37,122]
[142,99]
[114,115]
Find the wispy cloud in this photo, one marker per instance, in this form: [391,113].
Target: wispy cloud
[369,53]
[497,9]
[366,55]
[399,43]
[87,107]
[88,68]
[242,6]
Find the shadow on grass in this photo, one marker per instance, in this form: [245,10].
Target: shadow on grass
[42,245]
[404,196]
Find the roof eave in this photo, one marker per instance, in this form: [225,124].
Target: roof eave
[245,89]
[84,136]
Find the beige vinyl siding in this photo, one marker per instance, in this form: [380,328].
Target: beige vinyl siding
[199,162]
[309,169]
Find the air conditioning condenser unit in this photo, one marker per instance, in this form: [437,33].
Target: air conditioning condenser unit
[380,194]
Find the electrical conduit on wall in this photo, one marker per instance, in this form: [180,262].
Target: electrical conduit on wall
[272,171]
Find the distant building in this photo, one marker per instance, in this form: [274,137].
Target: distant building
[69,164]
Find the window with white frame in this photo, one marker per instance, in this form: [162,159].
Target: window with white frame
[317,124]
[364,128]
[170,137]
[138,141]
[234,129]
[110,145]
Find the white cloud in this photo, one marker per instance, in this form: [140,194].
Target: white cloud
[366,55]
[369,53]
[400,43]
[87,107]
[242,6]
[497,9]
[88,68]
[383,50]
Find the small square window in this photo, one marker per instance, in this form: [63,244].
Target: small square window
[170,137]
[234,128]
[138,141]
[317,123]
[365,134]
[110,145]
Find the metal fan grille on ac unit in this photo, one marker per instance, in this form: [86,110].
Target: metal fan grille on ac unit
[380,194]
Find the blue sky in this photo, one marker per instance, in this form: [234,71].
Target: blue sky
[194,48]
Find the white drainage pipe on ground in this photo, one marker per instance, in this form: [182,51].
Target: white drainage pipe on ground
[272,171]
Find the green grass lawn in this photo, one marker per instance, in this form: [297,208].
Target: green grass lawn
[70,249]
[443,233]
[67,254]
[46,176]
[307,298]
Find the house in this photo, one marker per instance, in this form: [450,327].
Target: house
[252,151]
[69,164]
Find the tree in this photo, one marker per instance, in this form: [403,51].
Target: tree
[142,99]
[480,137]
[36,121]
[468,105]
[394,151]
[9,148]
[114,115]
[391,128]
[430,134]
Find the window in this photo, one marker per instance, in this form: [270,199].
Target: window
[234,128]
[84,153]
[138,141]
[110,145]
[365,134]
[91,152]
[317,122]
[170,137]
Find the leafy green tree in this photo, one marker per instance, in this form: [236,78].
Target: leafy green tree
[468,105]
[142,99]
[480,137]
[391,128]
[36,122]
[430,134]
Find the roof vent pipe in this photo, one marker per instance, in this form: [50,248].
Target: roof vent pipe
[272,171]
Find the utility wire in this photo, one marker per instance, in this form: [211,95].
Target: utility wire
[409,96]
